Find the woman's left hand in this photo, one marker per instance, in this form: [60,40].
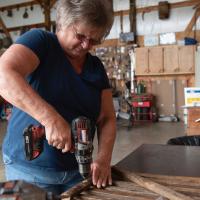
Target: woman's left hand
[101,173]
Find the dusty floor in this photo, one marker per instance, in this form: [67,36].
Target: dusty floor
[127,139]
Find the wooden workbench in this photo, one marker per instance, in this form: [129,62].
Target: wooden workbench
[160,159]
[174,167]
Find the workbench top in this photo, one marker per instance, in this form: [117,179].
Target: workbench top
[171,160]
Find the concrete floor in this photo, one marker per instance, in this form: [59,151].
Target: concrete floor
[127,139]
[146,133]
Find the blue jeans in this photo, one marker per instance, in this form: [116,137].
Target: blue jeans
[51,181]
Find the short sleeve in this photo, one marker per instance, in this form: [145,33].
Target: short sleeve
[36,40]
[95,74]
[104,78]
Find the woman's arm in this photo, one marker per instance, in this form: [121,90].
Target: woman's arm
[101,170]
[15,64]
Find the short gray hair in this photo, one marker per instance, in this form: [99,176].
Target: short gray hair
[97,13]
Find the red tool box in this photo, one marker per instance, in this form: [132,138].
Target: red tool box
[142,108]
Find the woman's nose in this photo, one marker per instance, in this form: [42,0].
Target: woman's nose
[86,44]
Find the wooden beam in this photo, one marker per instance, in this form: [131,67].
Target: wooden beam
[192,22]
[39,1]
[150,185]
[47,14]
[172,5]
[19,5]
[117,13]
[121,23]
[154,8]
[132,17]
[52,3]
[17,28]
[77,189]
[123,12]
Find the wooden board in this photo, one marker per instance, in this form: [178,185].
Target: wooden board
[156,60]
[162,89]
[193,128]
[142,61]
[162,60]
[171,64]
[126,190]
[187,58]
[172,168]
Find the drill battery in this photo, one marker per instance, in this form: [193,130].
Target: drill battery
[33,140]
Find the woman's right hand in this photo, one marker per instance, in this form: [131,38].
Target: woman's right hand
[58,133]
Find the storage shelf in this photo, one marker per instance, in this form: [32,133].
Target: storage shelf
[166,74]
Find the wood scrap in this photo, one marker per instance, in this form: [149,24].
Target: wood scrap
[153,186]
[125,189]
[77,189]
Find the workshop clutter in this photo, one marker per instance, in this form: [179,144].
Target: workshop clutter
[21,190]
[5,109]
[142,105]
[117,62]
[136,107]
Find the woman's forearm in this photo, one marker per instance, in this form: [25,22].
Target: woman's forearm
[18,92]
[106,138]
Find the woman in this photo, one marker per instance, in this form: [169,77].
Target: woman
[51,79]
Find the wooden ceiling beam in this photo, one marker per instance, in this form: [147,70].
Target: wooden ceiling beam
[192,22]
[19,5]
[52,3]
[47,14]
[117,13]
[172,5]
[39,1]
[18,28]
[132,17]
[154,8]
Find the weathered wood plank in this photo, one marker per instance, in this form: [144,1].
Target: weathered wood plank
[126,190]
[180,180]
[77,189]
[104,194]
[153,186]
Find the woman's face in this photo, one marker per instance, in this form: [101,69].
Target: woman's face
[78,39]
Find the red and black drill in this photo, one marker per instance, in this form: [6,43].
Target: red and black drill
[82,140]
[33,140]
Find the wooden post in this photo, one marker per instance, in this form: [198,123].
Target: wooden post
[47,12]
[132,17]
[192,22]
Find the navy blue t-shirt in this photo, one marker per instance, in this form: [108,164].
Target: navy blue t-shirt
[71,94]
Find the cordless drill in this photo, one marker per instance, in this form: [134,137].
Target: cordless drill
[81,131]
[82,140]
